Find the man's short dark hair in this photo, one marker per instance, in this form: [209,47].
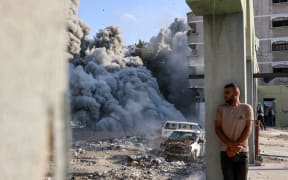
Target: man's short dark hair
[232,85]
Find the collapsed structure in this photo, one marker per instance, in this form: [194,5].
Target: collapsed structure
[109,88]
[166,56]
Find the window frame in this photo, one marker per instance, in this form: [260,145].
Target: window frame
[281,22]
[279,46]
[279,1]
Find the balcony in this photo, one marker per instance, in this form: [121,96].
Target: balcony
[195,38]
[196,68]
[197,50]
[192,17]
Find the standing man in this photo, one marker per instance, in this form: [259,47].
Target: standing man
[271,117]
[260,116]
[233,126]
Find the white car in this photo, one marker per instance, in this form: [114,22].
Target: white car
[188,144]
[170,126]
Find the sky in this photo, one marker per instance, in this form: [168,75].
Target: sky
[137,19]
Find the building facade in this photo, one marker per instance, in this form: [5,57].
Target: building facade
[271,27]
[275,97]
[271,24]
[196,58]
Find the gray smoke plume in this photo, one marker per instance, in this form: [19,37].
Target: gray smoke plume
[167,58]
[76,29]
[106,49]
[110,89]
[124,99]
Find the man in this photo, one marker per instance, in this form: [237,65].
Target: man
[260,116]
[233,127]
[271,117]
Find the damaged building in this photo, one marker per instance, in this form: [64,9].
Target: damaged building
[271,22]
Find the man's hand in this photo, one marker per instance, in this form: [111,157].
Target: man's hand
[233,149]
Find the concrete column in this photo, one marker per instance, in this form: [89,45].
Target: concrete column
[255,89]
[250,100]
[225,62]
[33,83]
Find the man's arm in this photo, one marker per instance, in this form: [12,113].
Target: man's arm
[246,132]
[221,135]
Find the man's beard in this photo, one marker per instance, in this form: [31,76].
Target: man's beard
[231,100]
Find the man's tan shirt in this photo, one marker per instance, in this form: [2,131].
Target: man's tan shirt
[233,120]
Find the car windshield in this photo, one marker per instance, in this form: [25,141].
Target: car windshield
[183,136]
[188,126]
[171,126]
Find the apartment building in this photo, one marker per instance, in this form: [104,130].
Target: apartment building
[196,58]
[271,24]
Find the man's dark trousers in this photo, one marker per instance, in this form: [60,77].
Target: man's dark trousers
[234,168]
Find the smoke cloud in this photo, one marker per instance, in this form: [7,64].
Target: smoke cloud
[113,89]
[116,100]
[167,58]
[110,89]
[76,29]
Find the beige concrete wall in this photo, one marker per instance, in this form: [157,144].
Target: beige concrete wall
[265,30]
[33,82]
[279,8]
[262,7]
[280,31]
[280,93]
[225,39]
[225,62]
[263,27]
[192,17]
[265,51]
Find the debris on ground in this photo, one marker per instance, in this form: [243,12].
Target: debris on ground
[128,157]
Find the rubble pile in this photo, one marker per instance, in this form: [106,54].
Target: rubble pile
[110,144]
[127,158]
[126,173]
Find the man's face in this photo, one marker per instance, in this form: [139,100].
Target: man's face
[229,95]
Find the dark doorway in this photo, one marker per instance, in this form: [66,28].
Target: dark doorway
[270,111]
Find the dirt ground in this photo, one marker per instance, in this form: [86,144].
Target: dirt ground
[274,152]
[103,156]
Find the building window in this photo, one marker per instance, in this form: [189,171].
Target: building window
[194,49]
[193,27]
[280,70]
[280,46]
[280,22]
[279,1]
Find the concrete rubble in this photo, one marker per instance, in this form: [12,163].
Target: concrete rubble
[127,158]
